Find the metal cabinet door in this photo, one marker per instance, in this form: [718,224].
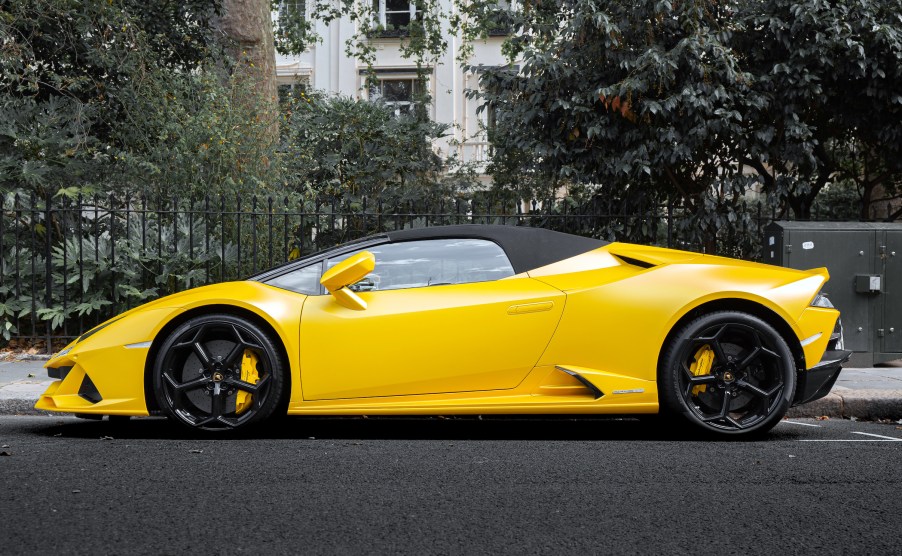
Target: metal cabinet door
[892,294]
[845,255]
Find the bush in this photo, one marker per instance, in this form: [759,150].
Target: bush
[117,97]
[346,148]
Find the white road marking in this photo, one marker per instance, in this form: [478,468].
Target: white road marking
[847,440]
[803,424]
[879,436]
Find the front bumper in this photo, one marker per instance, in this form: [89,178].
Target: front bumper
[103,381]
[816,382]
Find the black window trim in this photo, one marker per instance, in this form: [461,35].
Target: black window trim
[319,256]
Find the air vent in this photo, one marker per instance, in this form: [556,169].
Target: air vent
[564,382]
[634,262]
[88,391]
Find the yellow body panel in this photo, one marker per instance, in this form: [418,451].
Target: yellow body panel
[449,338]
[488,347]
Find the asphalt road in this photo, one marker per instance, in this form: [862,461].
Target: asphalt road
[432,486]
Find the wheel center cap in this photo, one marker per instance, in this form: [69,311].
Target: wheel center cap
[728,377]
[217,377]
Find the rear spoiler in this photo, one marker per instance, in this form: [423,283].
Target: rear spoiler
[821,271]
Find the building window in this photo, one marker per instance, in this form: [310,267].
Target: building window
[289,90]
[401,94]
[292,13]
[394,16]
[500,18]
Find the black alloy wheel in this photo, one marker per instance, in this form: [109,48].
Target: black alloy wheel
[729,373]
[218,372]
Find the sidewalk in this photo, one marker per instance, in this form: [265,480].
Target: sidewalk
[865,394]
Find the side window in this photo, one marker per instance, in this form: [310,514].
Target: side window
[303,280]
[417,264]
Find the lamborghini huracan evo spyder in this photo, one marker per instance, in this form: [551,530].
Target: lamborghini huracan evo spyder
[469,320]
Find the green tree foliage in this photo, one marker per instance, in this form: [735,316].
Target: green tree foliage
[340,147]
[700,101]
[644,98]
[119,97]
[832,75]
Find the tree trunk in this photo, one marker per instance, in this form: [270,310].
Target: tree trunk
[246,27]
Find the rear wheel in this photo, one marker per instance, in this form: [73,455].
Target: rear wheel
[218,372]
[729,373]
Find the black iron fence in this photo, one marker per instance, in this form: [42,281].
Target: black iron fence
[67,264]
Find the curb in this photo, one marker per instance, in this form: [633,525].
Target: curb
[863,405]
[21,407]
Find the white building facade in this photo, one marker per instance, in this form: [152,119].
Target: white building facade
[325,66]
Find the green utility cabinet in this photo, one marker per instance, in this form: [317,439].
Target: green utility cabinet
[865,264]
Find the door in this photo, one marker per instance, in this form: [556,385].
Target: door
[443,315]
[892,292]
[845,254]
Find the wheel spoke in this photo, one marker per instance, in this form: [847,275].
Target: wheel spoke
[218,405]
[222,419]
[719,355]
[733,422]
[202,354]
[750,358]
[687,370]
[247,386]
[702,379]
[235,354]
[186,386]
[725,408]
[205,422]
[748,386]
[189,342]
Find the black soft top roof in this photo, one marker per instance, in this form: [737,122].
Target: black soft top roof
[527,248]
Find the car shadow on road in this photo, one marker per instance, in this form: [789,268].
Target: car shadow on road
[563,428]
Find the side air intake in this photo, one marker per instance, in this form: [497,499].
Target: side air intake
[564,382]
[634,262]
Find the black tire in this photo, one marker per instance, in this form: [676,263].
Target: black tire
[197,377]
[747,384]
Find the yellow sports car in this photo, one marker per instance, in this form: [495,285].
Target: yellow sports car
[469,320]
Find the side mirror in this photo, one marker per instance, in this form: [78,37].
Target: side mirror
[347,272]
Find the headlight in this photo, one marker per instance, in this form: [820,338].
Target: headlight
[821,301]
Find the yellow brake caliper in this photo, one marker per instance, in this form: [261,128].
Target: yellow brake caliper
[248,374]
[704,360]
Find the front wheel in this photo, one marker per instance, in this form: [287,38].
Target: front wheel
[729,373]
[218,372]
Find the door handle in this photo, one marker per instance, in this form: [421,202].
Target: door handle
[525,308]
